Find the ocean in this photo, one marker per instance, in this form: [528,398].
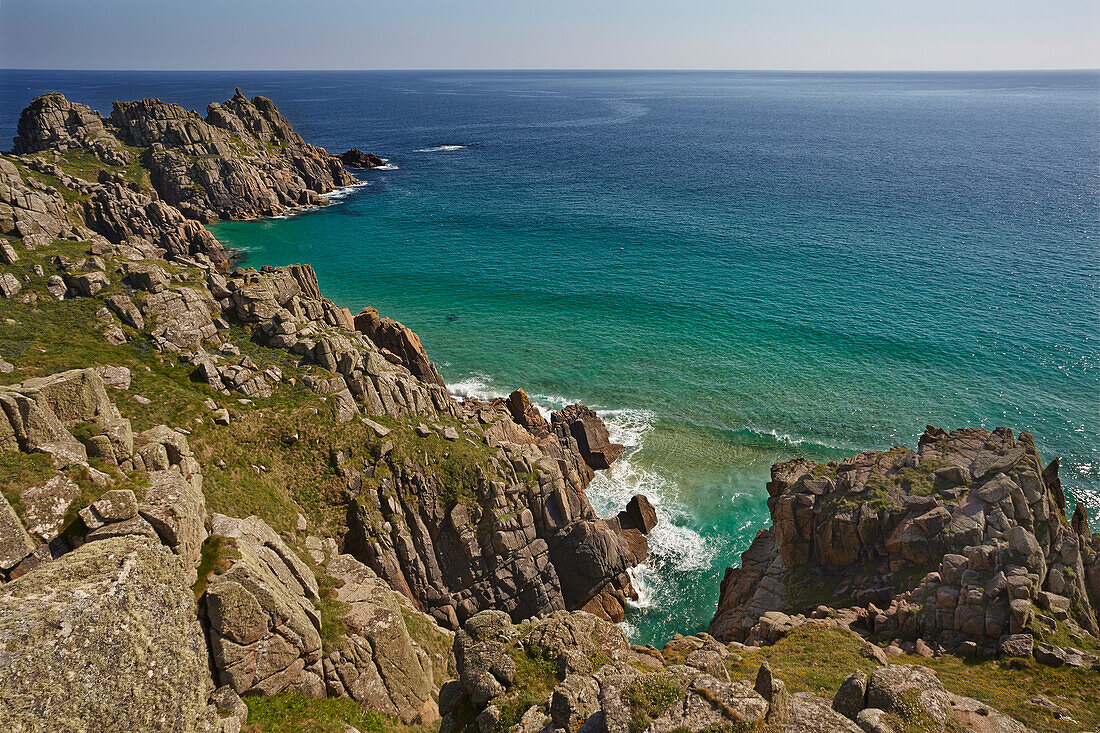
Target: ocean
[732,268]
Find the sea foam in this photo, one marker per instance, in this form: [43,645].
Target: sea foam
[674,547]
[441,149]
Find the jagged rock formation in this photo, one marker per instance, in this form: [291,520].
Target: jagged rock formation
[972,518]
[242,160]
[356,158]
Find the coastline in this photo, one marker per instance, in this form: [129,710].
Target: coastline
[301,479]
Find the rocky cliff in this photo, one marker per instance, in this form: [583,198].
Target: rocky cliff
[963,541]
[426,509]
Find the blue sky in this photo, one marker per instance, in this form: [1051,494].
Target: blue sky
[651,34]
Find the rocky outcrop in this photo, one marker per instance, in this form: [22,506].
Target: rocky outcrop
[572,671]
[242,160]
[523,538]
[264,627]
[104,638]
[456,506]
[379,665]
[972,516]
[52,122]
[356,158]
[591,435]
[31,210]
[398,344]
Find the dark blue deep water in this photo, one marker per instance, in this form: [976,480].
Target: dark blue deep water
[735,268]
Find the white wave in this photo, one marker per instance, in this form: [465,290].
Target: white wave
[674,547]
[441,149]
[342,193]
[477,386]
[793,440]
[386,167]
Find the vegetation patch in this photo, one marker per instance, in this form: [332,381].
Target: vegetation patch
[294,713]
[332,612]
[813,659]
[19,471]
[535,680]
[217,556]
[648,698]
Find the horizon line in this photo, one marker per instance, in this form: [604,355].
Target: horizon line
[574,69]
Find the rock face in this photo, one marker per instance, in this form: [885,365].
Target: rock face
[103,638]
[399,345]
[264,627]
[525,540]
[380,666]
[590,433]
[974,509]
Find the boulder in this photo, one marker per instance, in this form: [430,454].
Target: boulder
[586,427]
[909,691]
[109,617]
[15,543]
[378,664]
[849,699]
[264,627]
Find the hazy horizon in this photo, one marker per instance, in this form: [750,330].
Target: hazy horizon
[562,35]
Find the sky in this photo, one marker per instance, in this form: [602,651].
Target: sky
[549,34]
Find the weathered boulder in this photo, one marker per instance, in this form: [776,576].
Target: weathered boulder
[52,122]
[264,626]
[378,664]
[103,638]
[909,691]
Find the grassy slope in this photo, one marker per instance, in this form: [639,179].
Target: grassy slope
[815,660]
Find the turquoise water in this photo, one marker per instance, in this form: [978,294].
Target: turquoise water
[733,268]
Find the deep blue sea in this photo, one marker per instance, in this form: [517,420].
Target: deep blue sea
[734,268]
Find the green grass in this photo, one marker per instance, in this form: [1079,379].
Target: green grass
[216,558]
[82,163]
[332,612]
[648,698]
[817,660]
[19,471]
[535,680]
[809,659]
[293,713]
